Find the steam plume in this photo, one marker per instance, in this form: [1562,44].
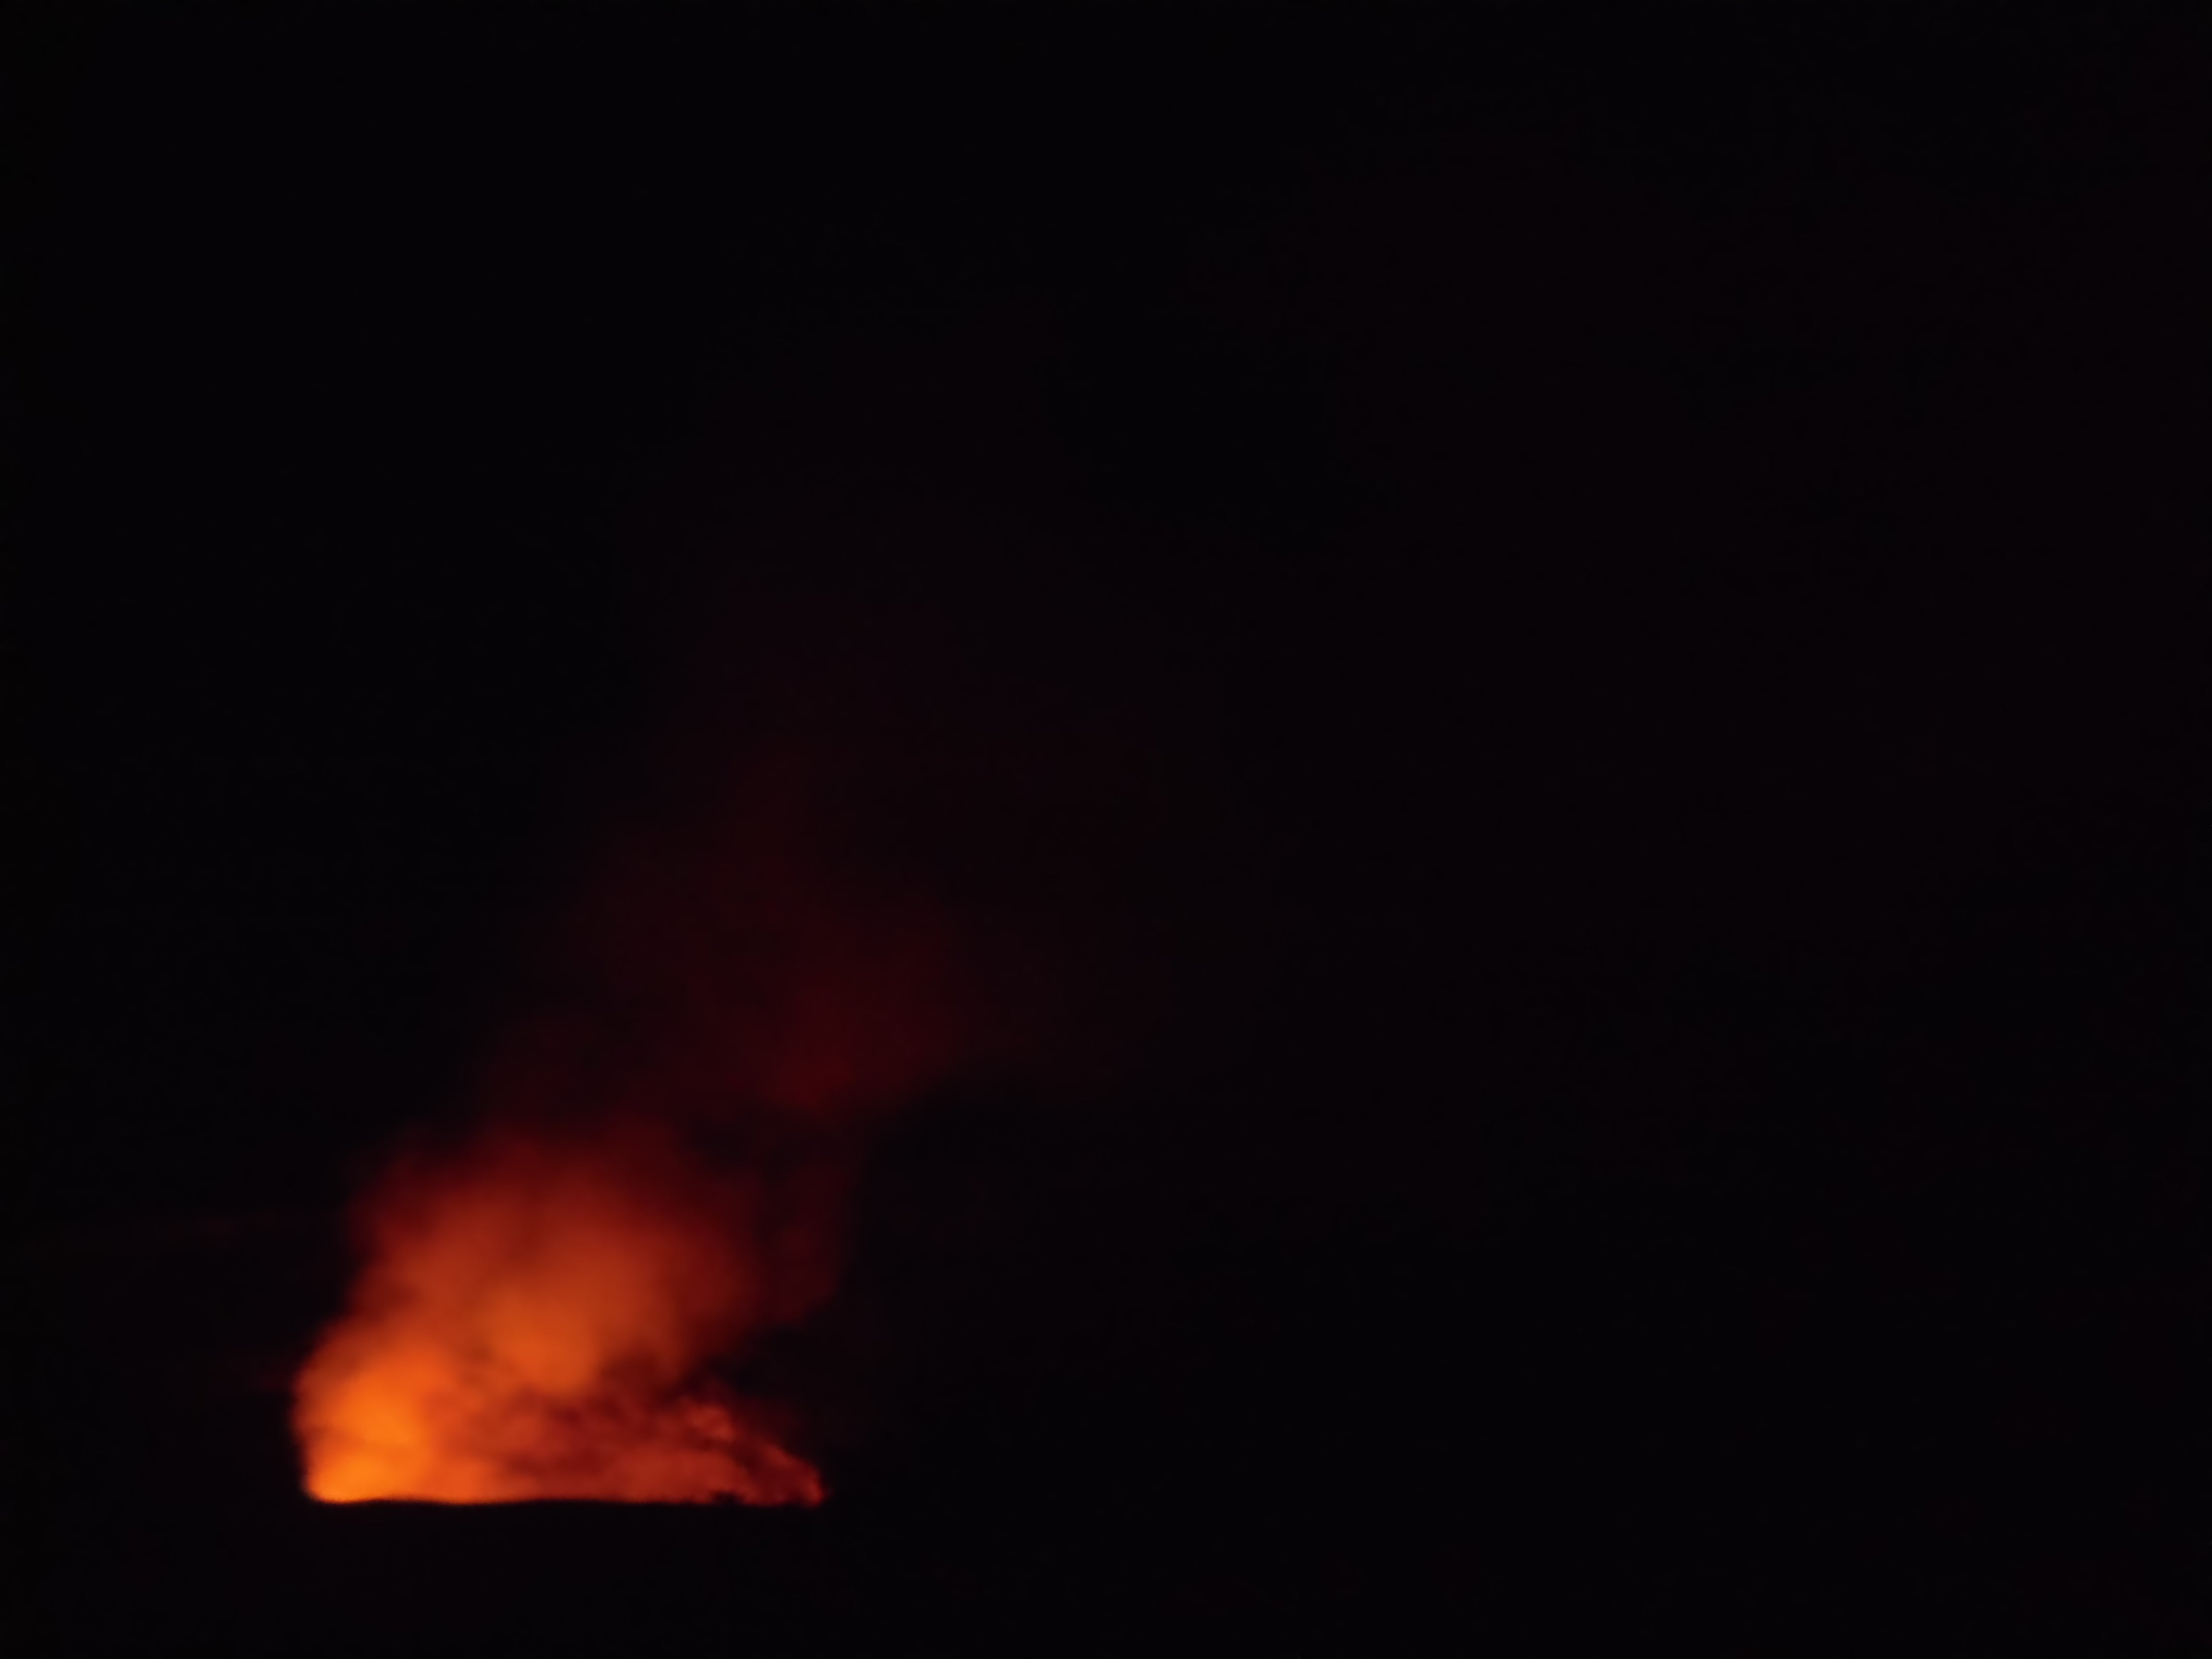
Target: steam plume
[663,1149]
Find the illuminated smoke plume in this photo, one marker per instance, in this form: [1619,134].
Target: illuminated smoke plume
[532,1322]
[659,1174]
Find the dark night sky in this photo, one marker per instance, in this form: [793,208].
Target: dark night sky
[1657,562]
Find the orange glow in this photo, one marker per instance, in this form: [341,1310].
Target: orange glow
[753,973]
[660,1180]
[535,1321]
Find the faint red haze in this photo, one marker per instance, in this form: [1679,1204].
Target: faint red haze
[745,985]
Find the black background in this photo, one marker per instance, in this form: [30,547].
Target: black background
[1666,550]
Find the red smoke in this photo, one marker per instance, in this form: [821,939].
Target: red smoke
[752,976]
[533,1321]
